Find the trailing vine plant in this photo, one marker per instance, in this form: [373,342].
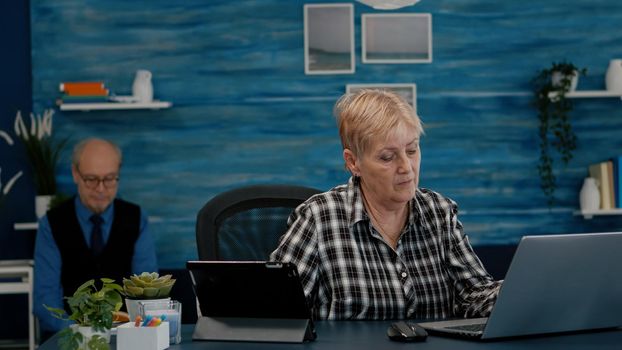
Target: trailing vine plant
[555,131]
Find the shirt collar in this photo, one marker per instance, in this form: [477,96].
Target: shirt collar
[355,198]
[85,214]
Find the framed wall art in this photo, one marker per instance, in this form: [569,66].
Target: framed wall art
[329,38]
[396,38]
[408,91]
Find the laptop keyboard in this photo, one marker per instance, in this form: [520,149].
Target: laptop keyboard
[479,327]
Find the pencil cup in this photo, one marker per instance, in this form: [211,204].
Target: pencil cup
[169,311]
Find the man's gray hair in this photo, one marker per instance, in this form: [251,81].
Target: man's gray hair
[79,148]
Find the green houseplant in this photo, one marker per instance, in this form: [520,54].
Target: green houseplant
[43,154]
[146,286]
[92,311]
[553,108]
[42,151]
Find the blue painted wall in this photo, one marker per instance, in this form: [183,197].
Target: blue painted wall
[244,111]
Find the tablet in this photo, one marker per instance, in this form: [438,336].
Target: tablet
[248,289]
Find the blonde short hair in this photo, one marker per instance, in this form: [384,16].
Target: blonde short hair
[367,115]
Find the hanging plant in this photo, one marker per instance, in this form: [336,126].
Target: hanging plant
[555,131]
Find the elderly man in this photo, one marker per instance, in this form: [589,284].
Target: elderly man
[90,236]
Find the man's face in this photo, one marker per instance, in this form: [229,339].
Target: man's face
[96,175]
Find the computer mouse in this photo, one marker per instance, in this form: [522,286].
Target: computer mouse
[406,332]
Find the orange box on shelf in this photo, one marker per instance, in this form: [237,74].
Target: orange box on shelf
[92,88]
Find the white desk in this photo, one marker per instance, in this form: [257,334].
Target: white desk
[16,277]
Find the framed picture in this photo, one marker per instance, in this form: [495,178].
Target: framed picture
[397,38]
[329,38]
[408,91]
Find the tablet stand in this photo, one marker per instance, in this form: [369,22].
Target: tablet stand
[254,329]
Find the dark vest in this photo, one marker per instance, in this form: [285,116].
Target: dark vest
[78,263]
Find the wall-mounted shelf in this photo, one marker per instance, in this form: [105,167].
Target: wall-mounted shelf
[590,214]
[589,94]
[114,105]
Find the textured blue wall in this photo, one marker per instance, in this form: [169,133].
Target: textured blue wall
[244,111]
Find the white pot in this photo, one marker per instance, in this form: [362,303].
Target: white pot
[42,204]
[589,197]
[132,305]
[613,78]
[556,80]
[88,333]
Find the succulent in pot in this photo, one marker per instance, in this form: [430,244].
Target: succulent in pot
[146,286]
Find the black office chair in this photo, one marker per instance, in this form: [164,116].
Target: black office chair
[246,223]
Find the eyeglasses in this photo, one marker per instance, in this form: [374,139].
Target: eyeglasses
[92,182]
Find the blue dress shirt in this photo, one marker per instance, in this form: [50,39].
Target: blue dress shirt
[47,270]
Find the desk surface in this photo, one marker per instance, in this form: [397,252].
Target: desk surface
[360,335]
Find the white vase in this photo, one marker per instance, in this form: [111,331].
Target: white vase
[556,80]
[42,204]
[88,333]
[142,88]
[589,197]
[613,78]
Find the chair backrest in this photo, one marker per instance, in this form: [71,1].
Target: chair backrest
[246,223]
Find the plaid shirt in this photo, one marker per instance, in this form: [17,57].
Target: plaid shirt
[349,272]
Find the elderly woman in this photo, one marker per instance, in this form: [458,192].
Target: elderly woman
[379,247]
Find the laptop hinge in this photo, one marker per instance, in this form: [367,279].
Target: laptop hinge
[254,329]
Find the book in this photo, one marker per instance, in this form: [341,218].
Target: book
[67,99]
[92,88]
[599,172]
[616,183]
[612,196]
[617,180]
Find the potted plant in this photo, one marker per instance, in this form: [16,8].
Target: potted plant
[146,286]
[43,154]
[555,131]
[4,191]
[92,311]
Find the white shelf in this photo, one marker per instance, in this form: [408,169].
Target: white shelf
[589,94]
[590,214]
[114,105]
[22,226]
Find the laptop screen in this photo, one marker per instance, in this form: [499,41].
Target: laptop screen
[248,289]
[555,283]
[559,283]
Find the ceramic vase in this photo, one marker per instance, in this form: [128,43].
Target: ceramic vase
[613,78]
[142,89]
[88,333]
[556,80]
[42,204]
[589,197]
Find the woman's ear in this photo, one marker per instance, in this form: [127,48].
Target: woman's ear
[351,162]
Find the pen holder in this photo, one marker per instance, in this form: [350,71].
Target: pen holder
[169,310]
[130,337]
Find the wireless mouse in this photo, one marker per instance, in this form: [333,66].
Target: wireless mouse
[406,332]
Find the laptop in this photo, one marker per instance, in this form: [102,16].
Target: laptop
[555,283]
[250,301]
